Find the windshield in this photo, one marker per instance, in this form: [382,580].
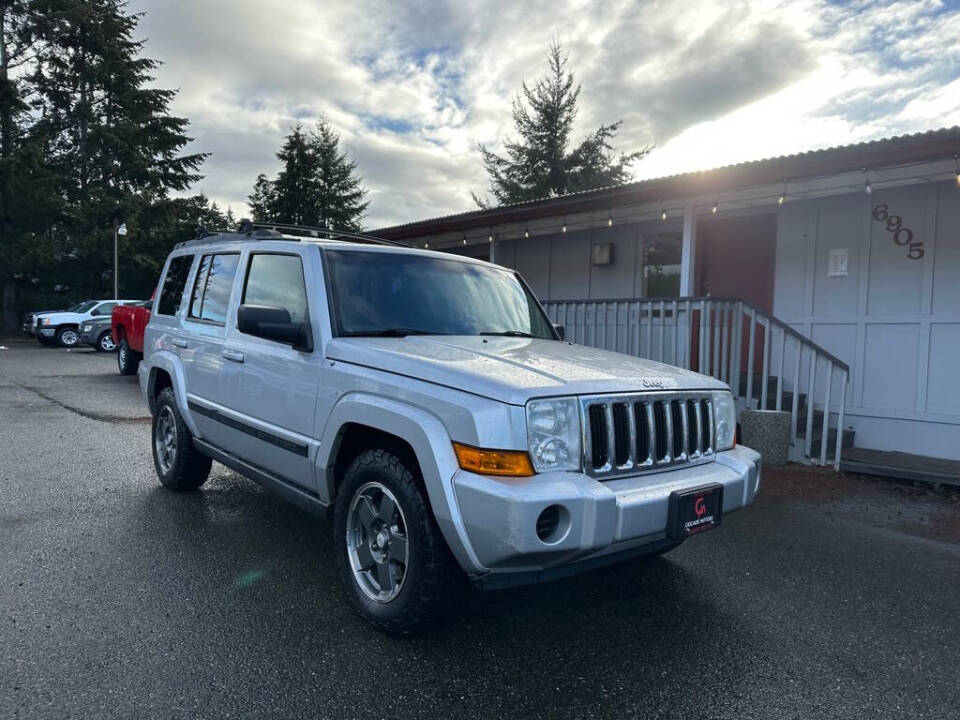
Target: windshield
[83,307]
[380,293]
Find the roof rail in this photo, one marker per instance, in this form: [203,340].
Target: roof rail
[327,233]
[248,230]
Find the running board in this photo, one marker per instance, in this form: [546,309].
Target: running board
[292,493]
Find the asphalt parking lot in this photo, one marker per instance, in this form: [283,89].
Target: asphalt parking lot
[831,597]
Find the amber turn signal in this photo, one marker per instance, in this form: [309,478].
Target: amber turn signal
[511,463]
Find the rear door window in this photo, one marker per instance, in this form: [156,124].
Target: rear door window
[211,291]
[173,285]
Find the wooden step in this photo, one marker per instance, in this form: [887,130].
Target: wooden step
[817,438]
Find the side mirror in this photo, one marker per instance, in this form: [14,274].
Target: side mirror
[273,323]
[561,331]
[149,305]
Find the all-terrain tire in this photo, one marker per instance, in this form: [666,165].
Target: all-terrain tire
[127,360]
[431,576]
[184,468]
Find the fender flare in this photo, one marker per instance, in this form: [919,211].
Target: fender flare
[170,363]
[431,444]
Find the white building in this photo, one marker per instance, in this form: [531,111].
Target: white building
[847,257]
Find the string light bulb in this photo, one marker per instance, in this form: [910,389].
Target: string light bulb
[867,187]
[663,215]
[714,208]
[426,246]
[526,232]
[782,199]
[564,228]
[609,218]
[489,238]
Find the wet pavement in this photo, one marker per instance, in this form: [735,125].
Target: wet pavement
[831,597]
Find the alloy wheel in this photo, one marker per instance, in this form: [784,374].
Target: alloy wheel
[106,343]
[377,542]
[165,439]
[69,338]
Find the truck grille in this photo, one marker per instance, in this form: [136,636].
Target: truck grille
[630,434]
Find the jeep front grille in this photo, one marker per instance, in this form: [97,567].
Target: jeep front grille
[630,434]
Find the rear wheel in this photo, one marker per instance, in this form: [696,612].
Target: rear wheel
[127,360]
[393,561]
[178,464]
[105,342]
[68,337]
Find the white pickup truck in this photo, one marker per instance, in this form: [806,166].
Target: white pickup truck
[63,328]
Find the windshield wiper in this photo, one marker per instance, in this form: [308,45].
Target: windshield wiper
[510,333]
[389,332]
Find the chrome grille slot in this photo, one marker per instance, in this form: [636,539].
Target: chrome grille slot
[660,430]
[631,434]
[678,419]
[621,434]
[706,427]
[598,436]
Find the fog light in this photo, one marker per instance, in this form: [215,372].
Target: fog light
[552,524]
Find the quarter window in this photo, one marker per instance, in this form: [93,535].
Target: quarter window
[277,281]
[173,285]
[211,291]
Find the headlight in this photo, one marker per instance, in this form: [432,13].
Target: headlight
[725,419]
[553,434]
[87,328]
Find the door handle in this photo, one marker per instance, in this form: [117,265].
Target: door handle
[232,355]
[176,342]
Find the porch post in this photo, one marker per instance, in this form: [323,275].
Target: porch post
[689,251]
[493,251]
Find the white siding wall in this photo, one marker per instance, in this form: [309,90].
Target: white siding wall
[896,321]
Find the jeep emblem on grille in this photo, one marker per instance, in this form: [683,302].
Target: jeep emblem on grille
[652,383]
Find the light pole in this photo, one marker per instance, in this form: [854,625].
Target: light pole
[118,229]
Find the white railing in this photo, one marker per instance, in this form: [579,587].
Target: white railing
[731,340]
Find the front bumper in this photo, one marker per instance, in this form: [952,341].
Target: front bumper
[599,519]
[47,332]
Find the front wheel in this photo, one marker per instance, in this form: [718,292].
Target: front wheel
[67,337]
[105,342]
[178,464]
[393,561]
[127,360]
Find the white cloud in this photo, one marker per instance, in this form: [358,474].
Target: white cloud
[413,87]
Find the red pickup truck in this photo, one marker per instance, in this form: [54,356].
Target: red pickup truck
[127,323]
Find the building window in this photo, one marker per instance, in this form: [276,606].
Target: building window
[661,265]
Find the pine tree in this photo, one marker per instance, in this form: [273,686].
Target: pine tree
[539,164]
[27,191]
[113,143]
[339,192]
[316,186]
[294,189]
[261,200]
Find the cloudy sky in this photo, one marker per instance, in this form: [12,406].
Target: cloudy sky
[413,87]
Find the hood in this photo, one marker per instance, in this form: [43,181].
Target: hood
[513,370]
[60,316]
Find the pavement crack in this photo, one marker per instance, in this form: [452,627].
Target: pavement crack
[89,414]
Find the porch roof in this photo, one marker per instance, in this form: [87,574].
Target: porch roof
[873,155]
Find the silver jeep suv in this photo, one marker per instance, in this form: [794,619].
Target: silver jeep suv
[425,401]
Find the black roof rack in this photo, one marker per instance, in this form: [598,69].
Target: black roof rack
[248,230]
[327,233]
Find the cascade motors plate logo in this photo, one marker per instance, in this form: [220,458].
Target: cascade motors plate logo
[652,383]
